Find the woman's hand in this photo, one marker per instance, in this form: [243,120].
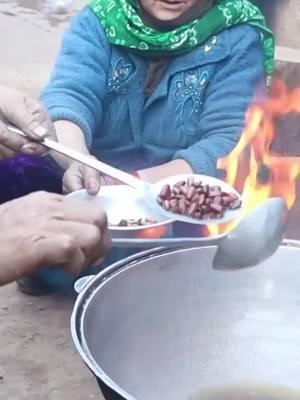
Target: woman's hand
[43,228]
[29,116]
[79,176]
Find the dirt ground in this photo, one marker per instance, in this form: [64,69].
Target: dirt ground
[37,358]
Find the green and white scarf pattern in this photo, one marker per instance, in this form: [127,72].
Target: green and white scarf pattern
[124,27]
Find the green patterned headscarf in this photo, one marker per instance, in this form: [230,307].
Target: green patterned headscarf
[124,27]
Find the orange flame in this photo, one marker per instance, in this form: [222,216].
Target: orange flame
[252,155]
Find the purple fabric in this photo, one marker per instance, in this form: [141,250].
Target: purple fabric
[22,175]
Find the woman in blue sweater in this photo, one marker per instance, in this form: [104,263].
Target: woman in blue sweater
[156,87]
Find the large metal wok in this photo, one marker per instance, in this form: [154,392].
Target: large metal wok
[164,325]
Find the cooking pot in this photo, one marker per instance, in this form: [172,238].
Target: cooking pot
[163,324]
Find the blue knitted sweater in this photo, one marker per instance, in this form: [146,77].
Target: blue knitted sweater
[195,113]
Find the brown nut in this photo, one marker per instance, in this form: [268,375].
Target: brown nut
[192,209]
[179,184]
[190,181]
[204,208]
[123,222]
[233,196]
[235,204]
[226,200]
[201,199]
[182,206]
[166,205]
[205,189]
[195,198]
[215,191]
[174,207]
[165,192]
[198,185]
[184,190]
[190,192]
[218,200]
[218,208]
[176,190]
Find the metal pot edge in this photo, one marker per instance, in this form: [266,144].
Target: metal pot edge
[79,308]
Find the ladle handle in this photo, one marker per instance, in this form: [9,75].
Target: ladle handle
[100,166]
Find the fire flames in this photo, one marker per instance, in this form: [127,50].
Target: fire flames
[252,157]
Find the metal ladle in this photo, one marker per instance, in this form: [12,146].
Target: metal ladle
[255,239]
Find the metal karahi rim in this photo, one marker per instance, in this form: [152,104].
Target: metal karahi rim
[94,284]
[81,305]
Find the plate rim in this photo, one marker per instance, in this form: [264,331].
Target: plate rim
[166,222]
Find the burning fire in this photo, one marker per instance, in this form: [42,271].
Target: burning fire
[252,156]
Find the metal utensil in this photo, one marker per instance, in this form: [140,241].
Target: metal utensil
[87,160]
[255,239]
[148,191]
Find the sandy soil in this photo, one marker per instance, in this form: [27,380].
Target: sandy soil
[37,358]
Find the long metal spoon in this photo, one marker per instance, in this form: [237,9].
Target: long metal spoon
[255,239]
[148,192]
[252,241]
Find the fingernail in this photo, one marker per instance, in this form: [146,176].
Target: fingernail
[28,148]
[93,186]
[40,131]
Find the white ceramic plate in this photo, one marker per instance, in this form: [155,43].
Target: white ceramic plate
[123,202]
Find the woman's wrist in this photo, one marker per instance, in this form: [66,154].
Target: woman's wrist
[70,135]
[174,167]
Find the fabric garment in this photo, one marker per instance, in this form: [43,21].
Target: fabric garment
[155,72]
[158,65]
[196,112]
[24,174]
[123,25]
